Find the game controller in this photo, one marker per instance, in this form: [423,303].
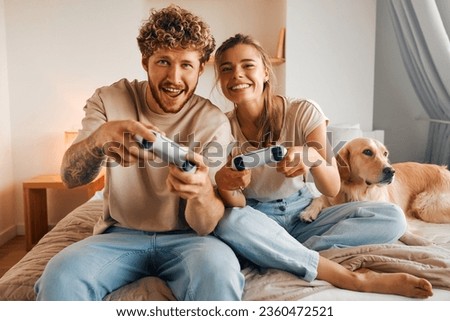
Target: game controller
[168,150]
[259,157]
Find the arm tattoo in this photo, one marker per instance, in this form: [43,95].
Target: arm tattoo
[81,164]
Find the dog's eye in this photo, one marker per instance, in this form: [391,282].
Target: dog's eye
[367,152]
[386,154]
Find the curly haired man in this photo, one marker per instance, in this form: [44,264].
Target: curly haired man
[157,219]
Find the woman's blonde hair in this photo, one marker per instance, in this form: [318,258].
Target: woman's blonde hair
[271,118]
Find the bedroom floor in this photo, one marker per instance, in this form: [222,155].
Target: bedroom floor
[11,252]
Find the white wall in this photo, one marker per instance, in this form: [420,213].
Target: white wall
[7,213]
[396,106]
[59,51]
[330,56]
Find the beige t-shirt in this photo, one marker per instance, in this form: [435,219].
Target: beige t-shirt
[137,197]
[301,117]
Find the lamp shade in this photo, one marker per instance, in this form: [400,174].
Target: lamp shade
[69,137]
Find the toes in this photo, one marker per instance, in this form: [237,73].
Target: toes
[425,287]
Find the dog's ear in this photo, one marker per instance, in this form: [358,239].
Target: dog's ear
[343,163]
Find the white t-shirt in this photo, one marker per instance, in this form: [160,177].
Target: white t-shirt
[301,117]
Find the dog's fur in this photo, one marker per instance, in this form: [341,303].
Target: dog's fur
[421,190]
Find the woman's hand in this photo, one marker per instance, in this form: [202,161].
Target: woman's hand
[317,158]
[231,183]
[297,162]
[228,179]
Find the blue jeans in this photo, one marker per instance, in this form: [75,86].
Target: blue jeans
[194,267]
[271,235]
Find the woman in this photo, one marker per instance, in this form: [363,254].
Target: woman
[262,221]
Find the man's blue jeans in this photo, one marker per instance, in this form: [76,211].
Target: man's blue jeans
[194,267]
[271,235]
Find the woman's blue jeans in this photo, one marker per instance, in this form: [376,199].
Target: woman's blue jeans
[271,235]
[194,267]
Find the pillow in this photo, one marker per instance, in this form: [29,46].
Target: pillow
[339,134]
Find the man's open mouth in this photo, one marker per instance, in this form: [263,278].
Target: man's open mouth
[172,92]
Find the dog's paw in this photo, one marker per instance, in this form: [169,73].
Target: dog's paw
[409,238]
[309,214]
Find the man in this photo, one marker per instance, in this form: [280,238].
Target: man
[156,219]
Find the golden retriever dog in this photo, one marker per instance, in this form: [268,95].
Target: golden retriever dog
[421,190]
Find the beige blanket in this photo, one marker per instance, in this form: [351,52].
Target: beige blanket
[431,262]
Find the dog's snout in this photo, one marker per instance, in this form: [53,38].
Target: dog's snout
[388,171]
[387,175]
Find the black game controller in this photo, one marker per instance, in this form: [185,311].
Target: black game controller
[168,151]
[257,158]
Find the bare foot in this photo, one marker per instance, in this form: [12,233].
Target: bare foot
[394,283]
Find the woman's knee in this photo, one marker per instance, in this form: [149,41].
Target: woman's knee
[395,219]
[232,222]
[217,258]
[387,218]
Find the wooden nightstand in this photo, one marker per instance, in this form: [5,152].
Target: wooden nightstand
[35,203]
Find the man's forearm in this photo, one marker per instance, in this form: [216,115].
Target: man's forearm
[203,215]
[81,163]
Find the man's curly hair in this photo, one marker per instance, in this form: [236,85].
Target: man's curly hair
[174,27]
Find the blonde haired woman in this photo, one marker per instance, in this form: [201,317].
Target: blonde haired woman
[262,220]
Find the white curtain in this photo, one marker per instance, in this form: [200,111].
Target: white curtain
[420,27]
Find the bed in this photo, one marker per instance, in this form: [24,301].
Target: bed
[431,261]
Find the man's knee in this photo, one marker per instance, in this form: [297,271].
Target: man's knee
[60,278]
[216,274]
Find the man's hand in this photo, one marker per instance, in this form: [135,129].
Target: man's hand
[117,141]
[190,185]
[82,161]
[204,208]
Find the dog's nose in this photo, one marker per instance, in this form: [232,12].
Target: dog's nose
[388,171]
